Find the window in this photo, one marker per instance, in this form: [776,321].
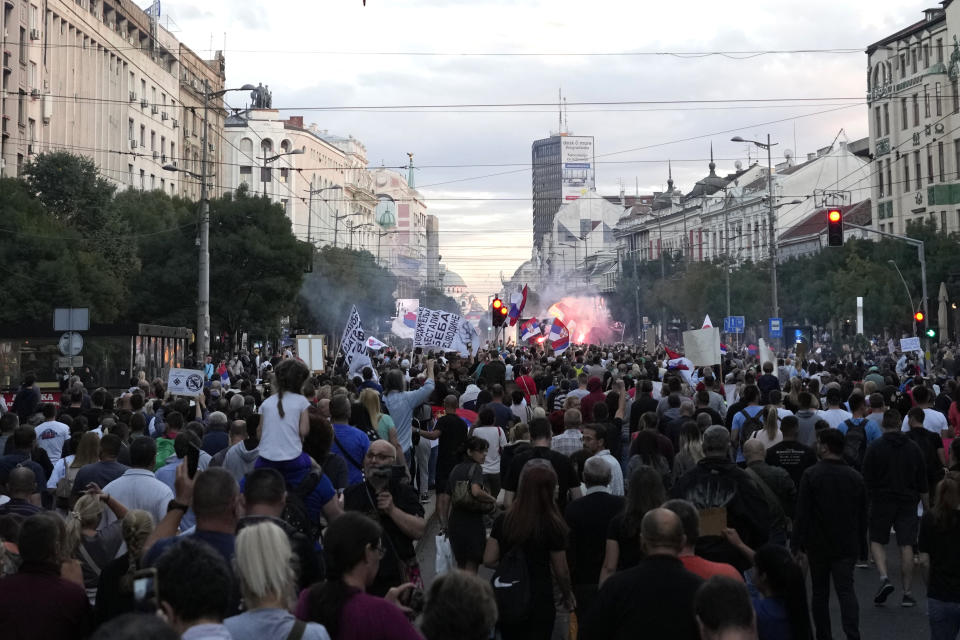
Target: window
[284,173]
[153,141]
[878,123]
[143,179]
[33,75]
[886,118]
[937,98]
[943,221]
[163,148]
[153,182]
[143,89]
[956,97]
[956,155]
[173,151]
[916,111]
[880,178]
[926,54]
[940,50]
[34,17]
[929,165]
[133,82]
[22,110]
[130,130]
[143,136]
[23,45]
[926,101]
[32,131]
[940,159]
[130,175]
[906,172]
[913,60]
[889,177]
[916,165]
[903,113]
[903,66]
[246,171]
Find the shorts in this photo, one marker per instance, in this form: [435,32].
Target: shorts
[902,516]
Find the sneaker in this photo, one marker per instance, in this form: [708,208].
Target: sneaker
[908,601]
[862,564]
[424,497]
[886,588]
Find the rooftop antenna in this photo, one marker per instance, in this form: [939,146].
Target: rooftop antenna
[560,110]
[566,125]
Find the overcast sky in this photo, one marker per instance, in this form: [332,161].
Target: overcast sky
[307,52]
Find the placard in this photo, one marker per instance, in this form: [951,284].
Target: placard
[310,349]
[910,344]
[185,382]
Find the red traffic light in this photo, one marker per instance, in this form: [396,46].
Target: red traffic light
[497,304]
[834,215]
[918,316]
[503,310]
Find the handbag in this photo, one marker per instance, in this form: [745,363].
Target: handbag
[462,497]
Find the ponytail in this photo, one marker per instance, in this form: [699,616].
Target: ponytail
[137,526]
[280,401]
[86,513]
[771,423]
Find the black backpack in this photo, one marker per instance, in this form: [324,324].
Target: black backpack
[511,587]
[855,442]
[750,425]
[295,512]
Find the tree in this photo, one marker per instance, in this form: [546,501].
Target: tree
[342,278]
[433,298]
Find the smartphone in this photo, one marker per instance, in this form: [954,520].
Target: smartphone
[145,598]
[193,460]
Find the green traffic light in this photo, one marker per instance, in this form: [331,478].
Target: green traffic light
[931,333]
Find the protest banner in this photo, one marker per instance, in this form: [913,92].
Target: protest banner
[310,349]
[354,344]
[446,331]
[910,344]
[702,346]
[185,382]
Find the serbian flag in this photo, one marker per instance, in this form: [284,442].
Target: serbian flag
[671,354]
[375,345]
[517,302]
[559,336]
[530,329]
[723,349]
[410,319]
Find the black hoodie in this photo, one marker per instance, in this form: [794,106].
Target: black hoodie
[894,470]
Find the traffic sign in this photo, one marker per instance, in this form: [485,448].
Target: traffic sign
[733,324]
[776,327]
[71,343]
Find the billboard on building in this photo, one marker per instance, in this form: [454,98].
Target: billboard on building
[576,160]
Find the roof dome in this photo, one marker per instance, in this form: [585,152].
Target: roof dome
[453,279]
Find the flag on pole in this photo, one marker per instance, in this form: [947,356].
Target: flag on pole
[530,329]
[517,302]
[375,345]
[671,354]
[559,336]
[353,344]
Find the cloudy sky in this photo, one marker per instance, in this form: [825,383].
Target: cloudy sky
[328,59]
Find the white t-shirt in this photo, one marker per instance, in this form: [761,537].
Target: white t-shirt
[933,421]
[761,435]
[51,436]
[835,417]
[497,439]
[280,437]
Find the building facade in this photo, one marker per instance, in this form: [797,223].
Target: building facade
[199,77]
[914,115]
[99,78]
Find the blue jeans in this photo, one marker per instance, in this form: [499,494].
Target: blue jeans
[944,619]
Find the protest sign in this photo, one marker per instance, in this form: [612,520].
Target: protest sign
[185,382]
[702,346]
[310,350]
[910,344]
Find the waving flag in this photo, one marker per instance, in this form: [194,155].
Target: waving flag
[671,354]
[559,336]
[374,345]
[530,329]
[517,302]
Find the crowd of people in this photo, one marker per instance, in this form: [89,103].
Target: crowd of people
[591,494]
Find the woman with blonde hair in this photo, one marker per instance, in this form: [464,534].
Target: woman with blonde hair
[67,467]
[115,591]
[268,587]
[770,434]
[379,421]
[94,549]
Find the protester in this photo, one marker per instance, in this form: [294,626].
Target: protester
[940,560]
[690,519]
[568,485]
[459,606]
[623,549]
[723,610]
[194,608]
[465,523]
[595,438]
[496,440]
[115,588]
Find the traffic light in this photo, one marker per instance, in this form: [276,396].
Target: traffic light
[834,228]
[498,313]
[931,333]
[918,316]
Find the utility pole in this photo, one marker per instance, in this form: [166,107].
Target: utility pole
[773,231]
[203,283]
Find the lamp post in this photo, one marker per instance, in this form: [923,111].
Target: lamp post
[336,224]
[772,222]
[913,309]
[267,160]
[310,209]
[203,278]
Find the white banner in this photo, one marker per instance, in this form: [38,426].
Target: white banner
[445,330]
[910,344]
[185,382]
[766,354]
[702,346]
[310,350]
[375,345]
[353,344]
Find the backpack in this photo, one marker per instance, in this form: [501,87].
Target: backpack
[295,512]
[751,424]
[855,442]
[64,492]
[511,586]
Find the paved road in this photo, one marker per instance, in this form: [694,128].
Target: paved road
[889,622]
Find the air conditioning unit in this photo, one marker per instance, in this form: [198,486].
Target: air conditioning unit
[213,147]
[155,110]
[164,116]
[34,34]
[133,143]
[35,93]
[176,123]
[156,155]
[133,96]
[143,103]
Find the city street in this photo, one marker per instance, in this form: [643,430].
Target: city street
[889,622]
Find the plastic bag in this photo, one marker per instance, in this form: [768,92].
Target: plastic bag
[445,561]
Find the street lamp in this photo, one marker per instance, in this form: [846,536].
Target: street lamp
[336,224]
[203,278]
[772,221]
[913,309]
[310,206]
[267,160]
